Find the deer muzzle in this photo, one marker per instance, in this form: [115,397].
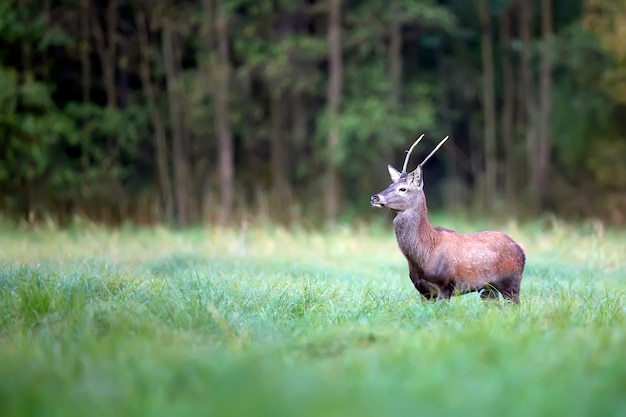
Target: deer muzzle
[376,201]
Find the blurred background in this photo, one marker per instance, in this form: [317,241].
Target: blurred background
[223,111]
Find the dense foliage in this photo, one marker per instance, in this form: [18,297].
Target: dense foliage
[219,110]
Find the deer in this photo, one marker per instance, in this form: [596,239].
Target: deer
[442,262]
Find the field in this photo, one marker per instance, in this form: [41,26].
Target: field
[271,322]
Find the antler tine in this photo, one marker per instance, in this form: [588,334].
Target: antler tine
[434,150]
[408,155]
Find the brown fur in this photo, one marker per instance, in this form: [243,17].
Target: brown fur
[443,262]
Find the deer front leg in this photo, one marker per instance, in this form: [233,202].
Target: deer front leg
[430,291]
[509,287]
[425,291]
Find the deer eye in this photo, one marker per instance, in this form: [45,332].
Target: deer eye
[402,189]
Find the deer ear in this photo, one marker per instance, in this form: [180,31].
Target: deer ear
[416,178]
[393,173]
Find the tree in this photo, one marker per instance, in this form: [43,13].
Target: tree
[540,174]
[106,45]
[489,106]
[222,124]
[606,19]
[146,60]
[335,76]
[508,133]
[182,177]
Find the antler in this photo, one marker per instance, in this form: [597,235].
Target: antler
[434,150]
[408,155]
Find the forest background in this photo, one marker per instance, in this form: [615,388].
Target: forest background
[223,111]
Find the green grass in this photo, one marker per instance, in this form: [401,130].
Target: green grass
[278,323]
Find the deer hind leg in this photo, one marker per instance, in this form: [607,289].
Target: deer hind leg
[489,293]
[509,287]
[431,291]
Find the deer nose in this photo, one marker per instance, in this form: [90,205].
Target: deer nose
[375,198]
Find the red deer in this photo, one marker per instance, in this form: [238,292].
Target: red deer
[442,262]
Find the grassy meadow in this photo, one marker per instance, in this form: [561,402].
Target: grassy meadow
[273,322]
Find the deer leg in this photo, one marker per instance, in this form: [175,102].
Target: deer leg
[488,293]
[446,292]
[428,290]
[433,292]
[427,296]
[509,287]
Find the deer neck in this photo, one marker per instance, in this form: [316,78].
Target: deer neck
[415,235]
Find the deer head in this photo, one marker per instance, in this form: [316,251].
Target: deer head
[405,188]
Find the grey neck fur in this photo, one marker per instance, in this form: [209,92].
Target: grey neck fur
[414,233]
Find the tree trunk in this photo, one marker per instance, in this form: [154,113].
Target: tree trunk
[46,12]
[84,48]
[25,50]
[278,160]
[226,164]
[160,137]
[25,77]
[395,72]
[106,45]
[123,83]
[508,105]
[299,119]
[280,112]
[489,108]
[112,53]
[181,168]
[527,94]
[247,100]
[540,177]
[332,195]
[395,54]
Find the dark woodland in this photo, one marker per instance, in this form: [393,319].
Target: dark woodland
[223,111]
